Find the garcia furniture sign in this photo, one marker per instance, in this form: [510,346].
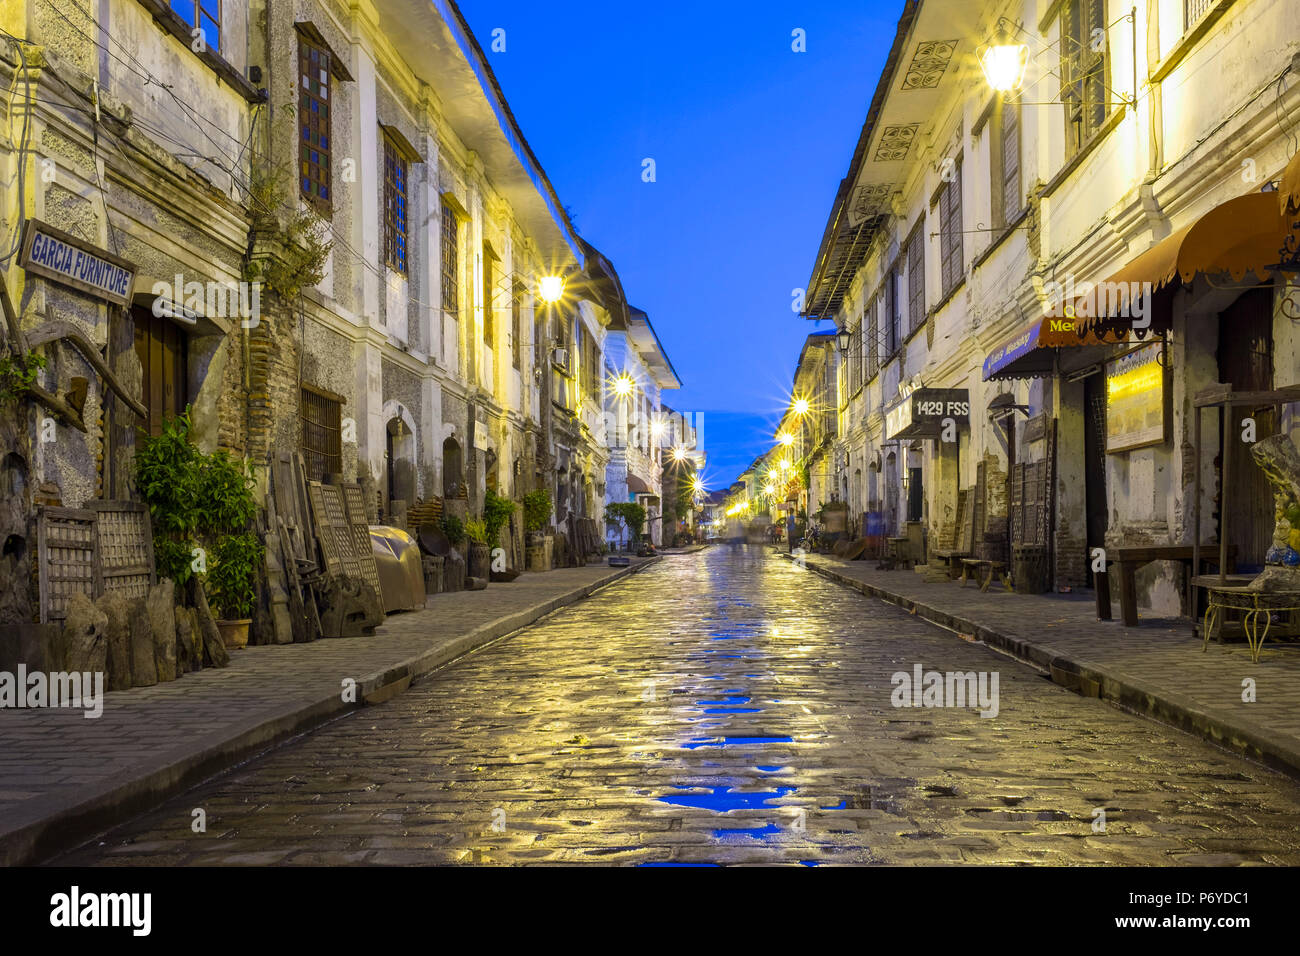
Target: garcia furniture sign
[54,254]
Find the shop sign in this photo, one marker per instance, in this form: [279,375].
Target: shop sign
[923,412]
[1135,400]
[56,255]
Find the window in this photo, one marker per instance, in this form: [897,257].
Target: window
[951,268]
[893,312]
[322,449]
[395,177]
[1083,70]
[161,347]
[488,326]
[873,338]
[450,262]
[916,276]
[1004,156]
[203,15]
[540,345]
[517,325]
[855,359]
[1193,10]
[314,121]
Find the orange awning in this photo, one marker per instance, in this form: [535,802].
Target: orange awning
[1289,189]
[1031,352]
[1242,235]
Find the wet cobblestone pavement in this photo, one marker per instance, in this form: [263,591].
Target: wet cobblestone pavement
[726,707]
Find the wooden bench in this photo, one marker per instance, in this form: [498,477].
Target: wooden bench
[983,570]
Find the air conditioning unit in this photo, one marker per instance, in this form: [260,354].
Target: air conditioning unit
[560,357]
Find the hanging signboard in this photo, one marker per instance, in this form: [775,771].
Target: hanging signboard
[1135,400]
[921,414]
[61,257]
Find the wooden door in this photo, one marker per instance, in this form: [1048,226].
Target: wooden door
[161,347]
[1246,362]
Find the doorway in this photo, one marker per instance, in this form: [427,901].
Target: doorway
[162,349]
[1096,503]
[1245,357]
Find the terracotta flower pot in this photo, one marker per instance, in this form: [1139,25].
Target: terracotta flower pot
[234,634]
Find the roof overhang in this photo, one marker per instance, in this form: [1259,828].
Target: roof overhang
[437,44]
[933,51]
[643,338]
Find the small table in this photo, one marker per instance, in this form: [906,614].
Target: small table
[1254,603]
[1128,559]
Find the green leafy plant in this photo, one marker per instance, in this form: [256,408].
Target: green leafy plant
[17,374]
[453,529]
[232,578]
[537,510]
[194,500]
[167,474]
[225,497]
[476,531]
[496,512]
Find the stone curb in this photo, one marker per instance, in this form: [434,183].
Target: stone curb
[1095,680]
[63,825]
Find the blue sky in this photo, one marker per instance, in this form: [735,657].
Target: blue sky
[750,140]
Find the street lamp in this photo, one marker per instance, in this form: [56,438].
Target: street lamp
[623,385]
[551,288]
[845,338]
[679,454]
[801,406]
[1003,61]
[786,439]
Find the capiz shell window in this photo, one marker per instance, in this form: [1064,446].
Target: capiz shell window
[314,122]
[395,179]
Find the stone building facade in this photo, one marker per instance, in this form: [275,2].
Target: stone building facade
[966,211]
[336,232]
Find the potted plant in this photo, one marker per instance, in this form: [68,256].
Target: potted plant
[537,513]
[204,502]
[496,514]
[232,585]
[480,556]
[537,519]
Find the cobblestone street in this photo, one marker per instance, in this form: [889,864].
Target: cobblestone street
[726,707]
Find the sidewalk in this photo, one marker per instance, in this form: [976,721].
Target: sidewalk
[64,778]
[1156,669]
